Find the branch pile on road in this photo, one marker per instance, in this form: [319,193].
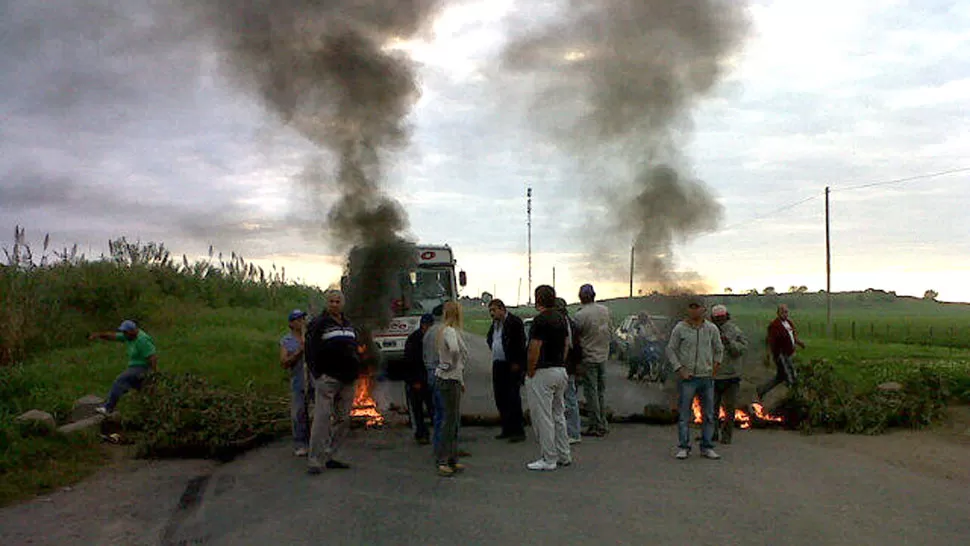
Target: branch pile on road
[186,416]
[822,400]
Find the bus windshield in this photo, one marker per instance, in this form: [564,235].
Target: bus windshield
[427,288]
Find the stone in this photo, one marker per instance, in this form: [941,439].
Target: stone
[82,424]
[85,406]
[890,386]
[37,418]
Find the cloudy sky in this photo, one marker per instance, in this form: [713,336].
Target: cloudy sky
[114,122]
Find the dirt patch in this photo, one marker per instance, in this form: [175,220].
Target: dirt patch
[942,452]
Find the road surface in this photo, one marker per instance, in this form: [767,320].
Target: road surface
[771,487]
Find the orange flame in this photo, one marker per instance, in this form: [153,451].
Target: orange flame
[364,405]
[741,417]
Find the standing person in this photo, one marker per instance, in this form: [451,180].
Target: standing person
[782,340]
[547,381]
[430,348]
[727,379]
[331,354]
[695,352]
[506,338]
[142,359]
[452,356]
[593,322]
[416,380]
[301,389]
[574,363]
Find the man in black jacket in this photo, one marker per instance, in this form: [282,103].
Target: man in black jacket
[506,338]
[331,354]
[416,380]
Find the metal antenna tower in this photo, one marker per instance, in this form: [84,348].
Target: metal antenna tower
[528,211]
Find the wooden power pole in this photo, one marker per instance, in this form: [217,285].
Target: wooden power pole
[632,248]
[828,268]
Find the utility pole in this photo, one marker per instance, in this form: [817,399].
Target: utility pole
[553,277]
[828,268]
[528,212]
[518,294]
[632,248]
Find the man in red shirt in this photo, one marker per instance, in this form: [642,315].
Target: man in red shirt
[782,340]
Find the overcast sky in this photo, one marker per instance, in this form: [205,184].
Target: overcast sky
[113,122]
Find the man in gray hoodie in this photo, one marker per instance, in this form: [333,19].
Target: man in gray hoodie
[695,352]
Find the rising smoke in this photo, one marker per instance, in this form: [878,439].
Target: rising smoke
[324,67]
[616,80]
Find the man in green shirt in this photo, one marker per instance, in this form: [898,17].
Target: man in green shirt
[142,359]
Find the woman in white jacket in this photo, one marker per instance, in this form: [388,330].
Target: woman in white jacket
[450,373]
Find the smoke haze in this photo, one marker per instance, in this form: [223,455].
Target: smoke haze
[616,80]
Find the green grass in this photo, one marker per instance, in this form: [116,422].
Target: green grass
[32,465]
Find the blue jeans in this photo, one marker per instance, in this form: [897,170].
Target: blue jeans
[131,378]
[299,410]
[702,387]
[573,424]
[438,409]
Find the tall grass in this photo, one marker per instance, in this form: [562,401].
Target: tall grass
[52,300]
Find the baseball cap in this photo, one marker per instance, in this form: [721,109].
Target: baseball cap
[719,311]
[128,326]
[587,290]
[695,301]
[296,314]
[427,318]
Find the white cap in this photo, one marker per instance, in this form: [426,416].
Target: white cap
[719,311]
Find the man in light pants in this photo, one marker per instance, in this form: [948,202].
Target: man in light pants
[331,354]
[547,381]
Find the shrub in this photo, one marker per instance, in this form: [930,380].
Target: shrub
[187,416]
[823,399]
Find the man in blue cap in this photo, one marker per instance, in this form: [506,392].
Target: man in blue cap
[301,388]
[416,380]
[142,359]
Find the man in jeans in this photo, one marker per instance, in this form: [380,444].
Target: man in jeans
[331,354]
[593,324]
[782,340]
[695,352]
[142,358]
[547,381]
[301,390]
[430,350]
[573,367]
[506,339]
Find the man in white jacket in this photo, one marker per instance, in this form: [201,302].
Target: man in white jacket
[695,352]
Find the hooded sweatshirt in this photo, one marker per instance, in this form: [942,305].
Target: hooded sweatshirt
[695,348]
[735,345]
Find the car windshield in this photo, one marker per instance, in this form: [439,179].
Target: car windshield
[427,288]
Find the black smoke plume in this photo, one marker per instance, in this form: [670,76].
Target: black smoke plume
[616,80]
[324,67]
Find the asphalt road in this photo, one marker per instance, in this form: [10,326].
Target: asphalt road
[771,487]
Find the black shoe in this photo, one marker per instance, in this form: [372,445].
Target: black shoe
[423,440]
[337,465]
[503,436]
[517,439]
[314,470]
[463,454]
[594,433]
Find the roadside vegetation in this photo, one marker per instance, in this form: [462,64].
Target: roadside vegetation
[216,323]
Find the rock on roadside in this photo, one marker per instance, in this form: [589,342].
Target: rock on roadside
[37,418]
[84,407]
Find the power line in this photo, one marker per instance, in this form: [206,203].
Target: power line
[773,212]
[902,180]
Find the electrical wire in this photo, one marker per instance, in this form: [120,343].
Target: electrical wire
[902,180]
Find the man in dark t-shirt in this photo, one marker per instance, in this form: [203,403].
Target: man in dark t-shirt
[547,381]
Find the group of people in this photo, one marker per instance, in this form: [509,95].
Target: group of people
[557,352]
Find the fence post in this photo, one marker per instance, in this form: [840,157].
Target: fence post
[853,330]
[931,336]
[835,331]
[872,330]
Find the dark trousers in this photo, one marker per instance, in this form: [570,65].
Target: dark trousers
[420,404]
[785,373]
[505,386]
[726,396]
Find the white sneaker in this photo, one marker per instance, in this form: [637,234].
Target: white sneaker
[682,454]
[102,410]
[710,454]
[541,465]
[575,441]
[300,452]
